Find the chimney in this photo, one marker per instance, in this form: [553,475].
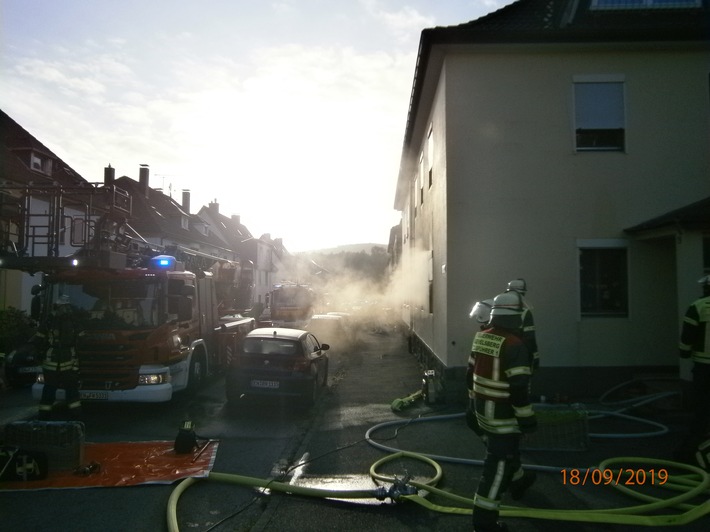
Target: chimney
[186,200]
[214,206]
[144,178]
[109,176]
[237,219]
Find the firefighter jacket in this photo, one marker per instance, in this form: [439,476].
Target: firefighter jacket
[695,333]
[61,337]
[498,380]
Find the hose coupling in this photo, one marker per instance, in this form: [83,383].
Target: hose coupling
[401,488]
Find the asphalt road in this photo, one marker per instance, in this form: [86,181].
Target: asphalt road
[336,443]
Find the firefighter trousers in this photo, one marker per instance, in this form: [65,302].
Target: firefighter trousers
[501,464]
[60,380]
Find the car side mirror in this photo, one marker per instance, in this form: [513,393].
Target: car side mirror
[324,347]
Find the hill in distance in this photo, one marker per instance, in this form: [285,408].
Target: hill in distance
[351,248]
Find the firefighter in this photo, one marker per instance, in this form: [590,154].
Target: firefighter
[519,286]
[60,367]
[695,345]
[499,411]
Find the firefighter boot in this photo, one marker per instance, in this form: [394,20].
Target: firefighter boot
[485,520]
[519,487]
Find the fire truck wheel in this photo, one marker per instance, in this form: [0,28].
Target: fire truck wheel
[197,373]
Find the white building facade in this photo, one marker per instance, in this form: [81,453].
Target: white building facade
[530,155]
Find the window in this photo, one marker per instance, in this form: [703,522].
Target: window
[40,164]
[603,280]
[431,282]
[420,179]
[643,4]
[430,154]
[599,119]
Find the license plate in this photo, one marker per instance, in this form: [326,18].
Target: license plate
[29,369]
[264,384]
[94,396]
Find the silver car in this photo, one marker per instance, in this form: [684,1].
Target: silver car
[277,362]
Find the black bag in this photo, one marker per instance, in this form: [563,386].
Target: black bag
[186,440]
[19,464]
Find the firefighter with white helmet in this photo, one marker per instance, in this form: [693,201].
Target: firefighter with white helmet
[519,286]
[695,345]
[498,380]
[481,311]
[60,368]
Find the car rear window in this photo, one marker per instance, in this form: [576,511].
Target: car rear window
[269,346]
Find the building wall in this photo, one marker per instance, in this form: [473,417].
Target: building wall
[425,239]
[519,200]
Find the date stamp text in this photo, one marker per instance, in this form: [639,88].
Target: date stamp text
[619,477]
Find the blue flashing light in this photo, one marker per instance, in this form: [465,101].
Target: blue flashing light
[163,262]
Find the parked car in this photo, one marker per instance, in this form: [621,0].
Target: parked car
[278,362]
[334,328]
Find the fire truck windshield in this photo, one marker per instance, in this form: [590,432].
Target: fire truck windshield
[111,304]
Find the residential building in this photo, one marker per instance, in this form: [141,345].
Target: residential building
[46,208]
[260,258]
[566,142]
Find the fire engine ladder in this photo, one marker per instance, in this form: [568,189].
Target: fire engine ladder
[40,219]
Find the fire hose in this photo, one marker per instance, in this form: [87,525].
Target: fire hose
[694,483]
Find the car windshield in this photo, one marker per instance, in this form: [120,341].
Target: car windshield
[271,346]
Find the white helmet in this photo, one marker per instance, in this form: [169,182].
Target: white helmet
[704,281]
[507,304]
[519,285]
[482,311]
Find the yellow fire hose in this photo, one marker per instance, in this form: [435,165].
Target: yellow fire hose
[689,486]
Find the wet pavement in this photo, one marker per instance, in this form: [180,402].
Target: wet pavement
[355,434]
[357,428]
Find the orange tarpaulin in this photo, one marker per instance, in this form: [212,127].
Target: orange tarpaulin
[128,464]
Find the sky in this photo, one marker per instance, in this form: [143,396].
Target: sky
[288,113]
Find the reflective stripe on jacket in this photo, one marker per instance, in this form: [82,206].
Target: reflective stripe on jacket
[60,360]
[499,366]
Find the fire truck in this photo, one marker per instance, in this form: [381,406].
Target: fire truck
[291,305]
[149,319]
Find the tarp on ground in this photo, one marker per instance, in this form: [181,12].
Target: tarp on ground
[127,464]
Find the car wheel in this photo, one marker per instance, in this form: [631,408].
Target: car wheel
[310,398]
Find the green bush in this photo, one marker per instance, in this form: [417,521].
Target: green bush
[15,328]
